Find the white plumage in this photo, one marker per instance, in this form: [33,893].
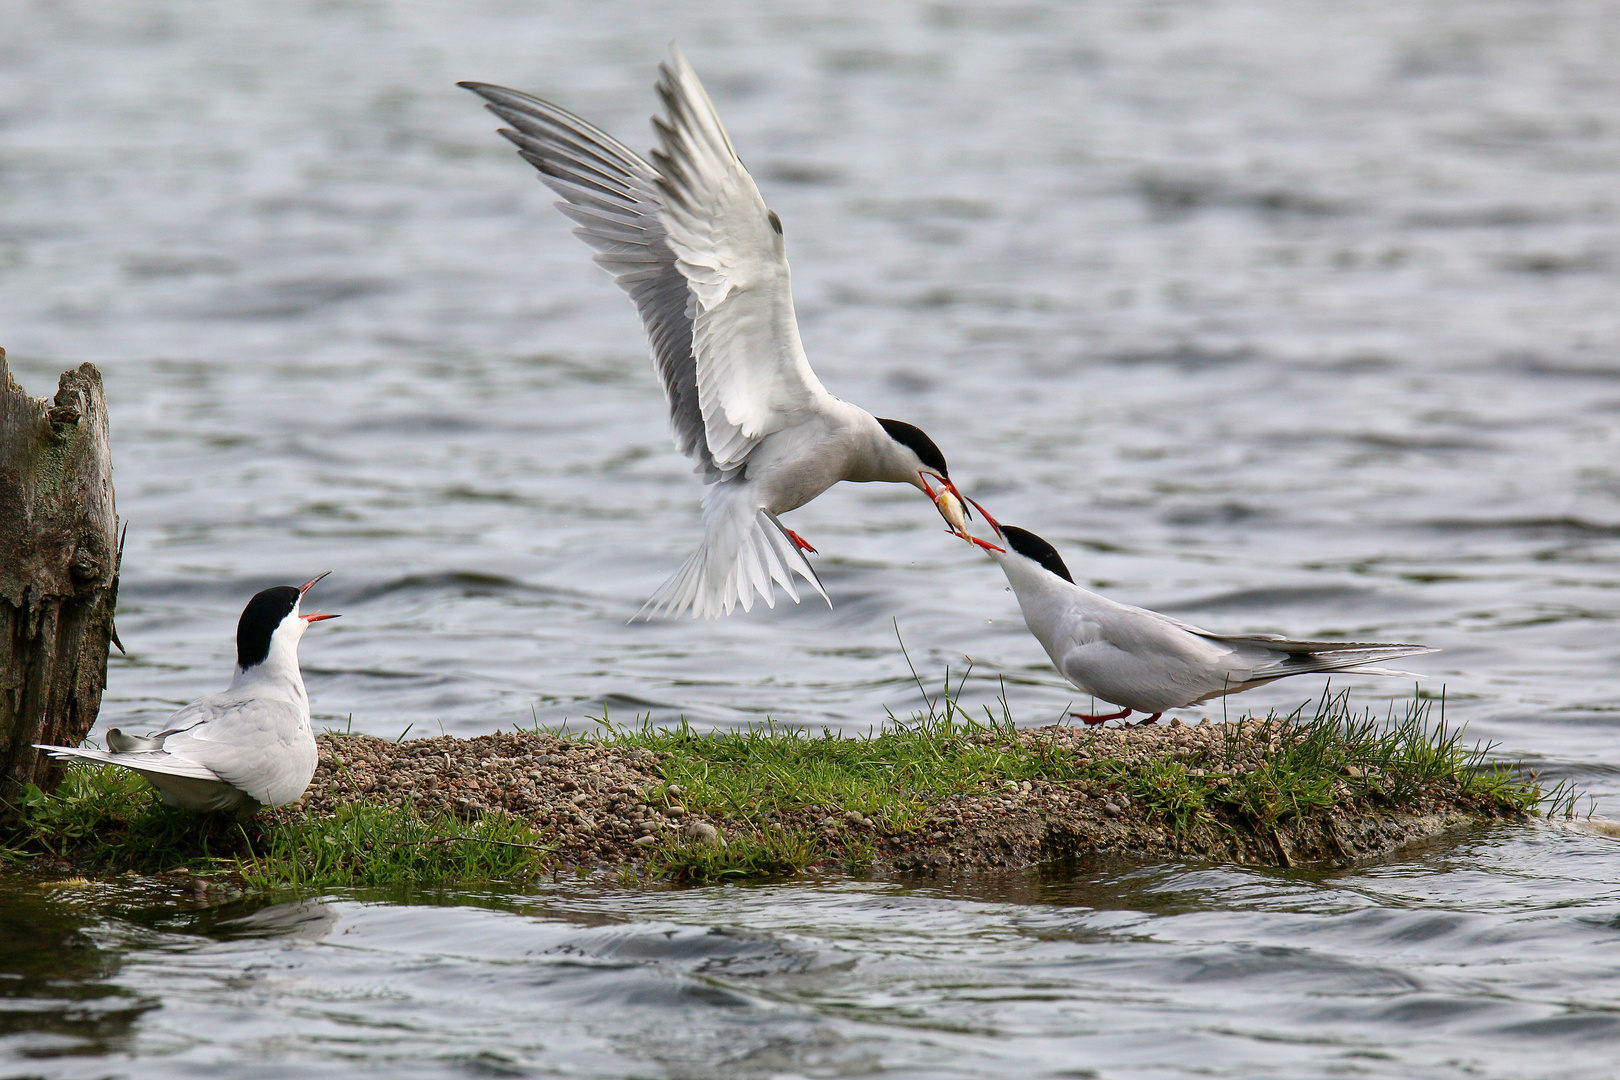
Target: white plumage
[252,745]
[1147,662]
[689,237]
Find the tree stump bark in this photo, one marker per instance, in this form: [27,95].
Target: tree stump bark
[59,561]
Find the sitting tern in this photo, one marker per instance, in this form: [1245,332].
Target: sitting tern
[688,236]
[249,747]
[1147,662]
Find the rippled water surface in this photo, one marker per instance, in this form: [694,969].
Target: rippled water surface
[1292,317]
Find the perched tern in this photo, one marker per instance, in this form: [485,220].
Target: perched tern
[249,747]
[1147,662]
[688,236]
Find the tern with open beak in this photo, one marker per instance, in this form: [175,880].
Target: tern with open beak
[688,236]
[249,747]
[1146,662]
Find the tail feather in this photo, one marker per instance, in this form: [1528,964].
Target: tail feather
[1334,656]
[145,761]
[733,567]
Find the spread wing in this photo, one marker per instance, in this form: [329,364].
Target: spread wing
[752,374]
[612,196]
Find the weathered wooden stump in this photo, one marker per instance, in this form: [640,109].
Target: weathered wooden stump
[59,559]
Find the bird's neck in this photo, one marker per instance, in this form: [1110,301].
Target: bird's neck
[276,677]
[1043,598]
[875,456]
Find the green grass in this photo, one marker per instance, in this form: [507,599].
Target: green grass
[108,820]
[1286,769]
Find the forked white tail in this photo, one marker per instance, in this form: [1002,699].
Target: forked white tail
[746,553]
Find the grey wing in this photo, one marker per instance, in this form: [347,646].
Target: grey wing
[612,195]
[257,746]
[1139,658]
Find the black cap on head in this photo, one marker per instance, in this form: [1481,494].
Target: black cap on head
[912,436]
[1035,549]
[259,621]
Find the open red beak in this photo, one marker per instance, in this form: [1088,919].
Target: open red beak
[958,523]
[994,524]
[310,584]
[318,618]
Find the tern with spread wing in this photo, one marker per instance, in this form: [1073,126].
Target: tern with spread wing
[1147,662]
[249,747]
[688,236]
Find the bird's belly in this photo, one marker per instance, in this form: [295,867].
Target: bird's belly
[791,473]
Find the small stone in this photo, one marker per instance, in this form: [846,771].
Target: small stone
[1112,809]
[854,818]
[702,830]
[674,790]
[645,841]
[676,810]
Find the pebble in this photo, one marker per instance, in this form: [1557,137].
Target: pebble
[1112,809]
[645,841]
[702,830]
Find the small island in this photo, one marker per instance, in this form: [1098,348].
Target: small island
[942,793]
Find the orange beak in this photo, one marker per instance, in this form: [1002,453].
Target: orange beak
[304,588]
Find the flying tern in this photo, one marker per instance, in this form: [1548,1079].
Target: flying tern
[1147,662]
[689,237]
[249,747]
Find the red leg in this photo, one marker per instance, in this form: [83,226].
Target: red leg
[1103,718]
[1154,719]
[804,545]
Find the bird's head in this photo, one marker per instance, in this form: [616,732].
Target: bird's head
[920,463]
[1025,545]
[271,622]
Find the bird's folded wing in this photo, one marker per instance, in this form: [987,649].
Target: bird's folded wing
[245,743]
[612,196]
[752,374]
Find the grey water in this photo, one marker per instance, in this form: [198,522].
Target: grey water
[1288,317]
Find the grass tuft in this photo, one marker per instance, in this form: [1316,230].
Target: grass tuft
[109,820]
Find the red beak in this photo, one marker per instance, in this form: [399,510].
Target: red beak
[994,524]
[308,585]
[318,618]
